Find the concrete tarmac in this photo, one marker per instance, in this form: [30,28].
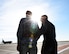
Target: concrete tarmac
[63,48]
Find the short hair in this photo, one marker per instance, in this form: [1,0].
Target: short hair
[28,12]
[45,16]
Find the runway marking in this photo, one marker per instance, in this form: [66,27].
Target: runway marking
[63,48]
[8,51]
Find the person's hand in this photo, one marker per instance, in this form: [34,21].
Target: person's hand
[18,48]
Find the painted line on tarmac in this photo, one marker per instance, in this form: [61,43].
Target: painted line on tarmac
[63,46]
[8,51]
[64,49]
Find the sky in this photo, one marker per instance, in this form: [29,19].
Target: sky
[11,11]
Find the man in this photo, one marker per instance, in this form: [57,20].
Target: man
[48,30]
[27,35]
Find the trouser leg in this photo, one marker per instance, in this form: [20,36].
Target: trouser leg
[24,50]
[33,50]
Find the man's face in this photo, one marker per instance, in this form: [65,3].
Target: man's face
[43,19]
[28,15]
